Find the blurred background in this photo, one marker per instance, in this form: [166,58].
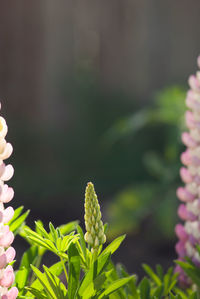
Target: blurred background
[94,90]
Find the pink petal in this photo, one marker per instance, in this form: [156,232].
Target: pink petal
[193,82]
[180,232]
[10,254]
[192,240]
[190,120]
[6,152]
[186,158]
[197,179]
[12,293]
[8,213]
[180,249]
[2,168]
[3,261]
[196,262]
[1,216]
[184,195]
[7,239]
[184,214]
[8,277]
[189,102]
[188,140]
[8,173]
[6,194]
[185,175]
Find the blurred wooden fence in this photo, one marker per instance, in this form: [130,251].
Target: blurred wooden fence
[139,46]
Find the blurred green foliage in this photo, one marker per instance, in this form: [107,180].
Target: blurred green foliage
[154,195]
[132,154]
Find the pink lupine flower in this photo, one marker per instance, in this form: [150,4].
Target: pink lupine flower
[189,211]
[7,253]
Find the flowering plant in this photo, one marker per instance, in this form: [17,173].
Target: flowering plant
[84,268]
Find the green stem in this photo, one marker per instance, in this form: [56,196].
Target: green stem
[64,268]
[95,254]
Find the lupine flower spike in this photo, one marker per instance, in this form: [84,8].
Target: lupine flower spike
[7,253]
[94,235]
[189,210]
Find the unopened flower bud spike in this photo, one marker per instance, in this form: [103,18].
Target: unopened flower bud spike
[94,235]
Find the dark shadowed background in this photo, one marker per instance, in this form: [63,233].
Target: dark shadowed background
[94,90]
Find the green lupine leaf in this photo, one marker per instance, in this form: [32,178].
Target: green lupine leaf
[59,244]
[144,289]
[56,269]
[82,241]
[192,271]
[114,245]
[114,286]
[159,271]
[74,271]
[95,285]
[171,296]
[132,284]
[44,282]
[37,293]
[40,242]
[97,268]
[180,293]
[65,243]
[53,232]
[158,292]
[17,212]
[69,227]
[21,278]
[167,281]
[41,229]
[56,284]
[18,222]
[152,275]
[28,257]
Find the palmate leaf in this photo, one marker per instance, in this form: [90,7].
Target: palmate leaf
[56,284]
[56,269]
[53,241]
[51,284]
[44,282]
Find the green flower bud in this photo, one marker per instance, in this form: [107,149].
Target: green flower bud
[94,226]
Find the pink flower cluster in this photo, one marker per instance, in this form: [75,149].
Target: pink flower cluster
[7,253]
[189,210]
